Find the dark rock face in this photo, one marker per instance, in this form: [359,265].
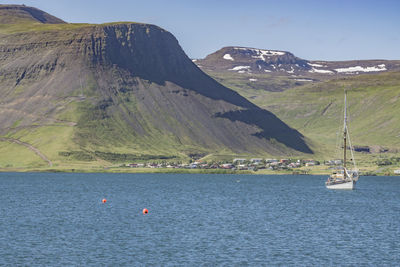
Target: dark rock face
[134,85]
[137,49]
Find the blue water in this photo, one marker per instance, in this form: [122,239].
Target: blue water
[55,219]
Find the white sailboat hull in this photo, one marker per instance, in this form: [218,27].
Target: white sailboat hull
[346,186]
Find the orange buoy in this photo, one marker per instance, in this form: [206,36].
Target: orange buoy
[145,211]
[104,200]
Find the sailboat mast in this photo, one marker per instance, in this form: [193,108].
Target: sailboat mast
[345,130]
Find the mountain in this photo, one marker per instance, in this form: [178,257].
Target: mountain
[252,60]
[247,60]
[312,101]
[274,70]
[11,14]
[116,92]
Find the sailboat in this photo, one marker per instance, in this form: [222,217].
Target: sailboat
[345,178]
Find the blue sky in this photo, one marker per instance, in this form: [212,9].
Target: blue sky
[324,29]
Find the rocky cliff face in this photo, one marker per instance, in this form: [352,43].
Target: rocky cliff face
[127,86]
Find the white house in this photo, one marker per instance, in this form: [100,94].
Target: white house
[258,160]
[240,161]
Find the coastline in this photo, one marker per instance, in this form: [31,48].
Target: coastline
[169,170]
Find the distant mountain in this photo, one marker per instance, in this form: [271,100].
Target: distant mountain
[84,92]
[244,60]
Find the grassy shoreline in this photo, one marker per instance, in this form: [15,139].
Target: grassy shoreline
[177,171]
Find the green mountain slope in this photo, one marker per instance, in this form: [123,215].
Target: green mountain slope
[118,92]
[316,109]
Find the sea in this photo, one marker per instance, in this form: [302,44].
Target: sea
[59,219]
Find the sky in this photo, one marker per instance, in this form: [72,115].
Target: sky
[310,29]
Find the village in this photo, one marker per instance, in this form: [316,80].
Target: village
[263,165]
[252,164]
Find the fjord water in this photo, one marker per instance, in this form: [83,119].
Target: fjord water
[57,219]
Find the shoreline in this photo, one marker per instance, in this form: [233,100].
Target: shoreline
[169,171]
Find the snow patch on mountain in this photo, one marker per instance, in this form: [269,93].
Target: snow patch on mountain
[240,68]
[291,70]
[314,70]
[316,65]
[380,67]
[261,53]
[228,57]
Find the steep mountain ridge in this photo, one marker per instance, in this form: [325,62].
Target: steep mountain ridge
[124,88]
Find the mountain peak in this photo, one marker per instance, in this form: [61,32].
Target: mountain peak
[14,14]
[247,59]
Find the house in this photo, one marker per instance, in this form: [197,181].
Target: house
[294,165]
[242,167]
[338,162]
[239,161]
[193,166]
[283,161]
[256,161]
[397,171]
[329,162]
[227,166]
[271,160]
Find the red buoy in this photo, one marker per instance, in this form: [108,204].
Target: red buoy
[145,211]
[104,200]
